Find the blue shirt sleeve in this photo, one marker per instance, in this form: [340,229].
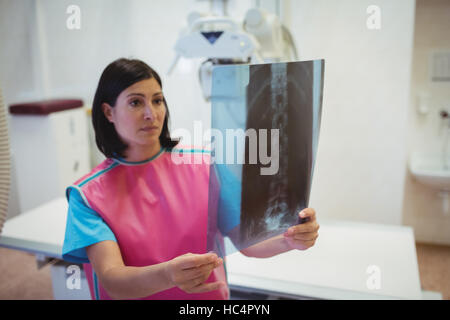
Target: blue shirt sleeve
[229,208]
[84,227]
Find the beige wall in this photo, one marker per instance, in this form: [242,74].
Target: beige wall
[422,206]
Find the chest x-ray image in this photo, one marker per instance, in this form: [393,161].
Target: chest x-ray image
[265,129]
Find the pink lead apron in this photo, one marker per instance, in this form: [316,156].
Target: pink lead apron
[157,210]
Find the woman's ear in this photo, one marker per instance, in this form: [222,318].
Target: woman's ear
[107,111]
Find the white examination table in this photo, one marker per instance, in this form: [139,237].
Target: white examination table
[339,266]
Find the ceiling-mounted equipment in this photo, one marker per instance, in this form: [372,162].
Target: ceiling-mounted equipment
[219,39]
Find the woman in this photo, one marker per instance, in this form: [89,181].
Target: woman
[139,219]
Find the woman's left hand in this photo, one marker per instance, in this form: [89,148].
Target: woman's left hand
[303,236]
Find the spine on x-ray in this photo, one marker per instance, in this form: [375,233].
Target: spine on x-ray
[277,205]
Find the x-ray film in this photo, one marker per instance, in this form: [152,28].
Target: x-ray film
[264,134]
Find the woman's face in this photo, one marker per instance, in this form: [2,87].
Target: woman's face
[139,114]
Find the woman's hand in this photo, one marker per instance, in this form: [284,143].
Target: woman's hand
[190,271]
[303,236]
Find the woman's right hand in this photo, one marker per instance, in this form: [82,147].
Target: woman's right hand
[190,271]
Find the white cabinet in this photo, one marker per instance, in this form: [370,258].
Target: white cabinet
[51,151]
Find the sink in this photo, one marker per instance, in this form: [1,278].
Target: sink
[431,170]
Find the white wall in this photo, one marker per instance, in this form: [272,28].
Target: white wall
[423,208]
[16,42]
[361,157]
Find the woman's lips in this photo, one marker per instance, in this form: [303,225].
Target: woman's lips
[149,129]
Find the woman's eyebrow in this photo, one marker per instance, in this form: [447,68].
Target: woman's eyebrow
[136,94]
[143,95]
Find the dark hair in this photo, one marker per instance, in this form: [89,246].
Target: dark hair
[116,77]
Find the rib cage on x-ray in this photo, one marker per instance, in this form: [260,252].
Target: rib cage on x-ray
[279,96]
